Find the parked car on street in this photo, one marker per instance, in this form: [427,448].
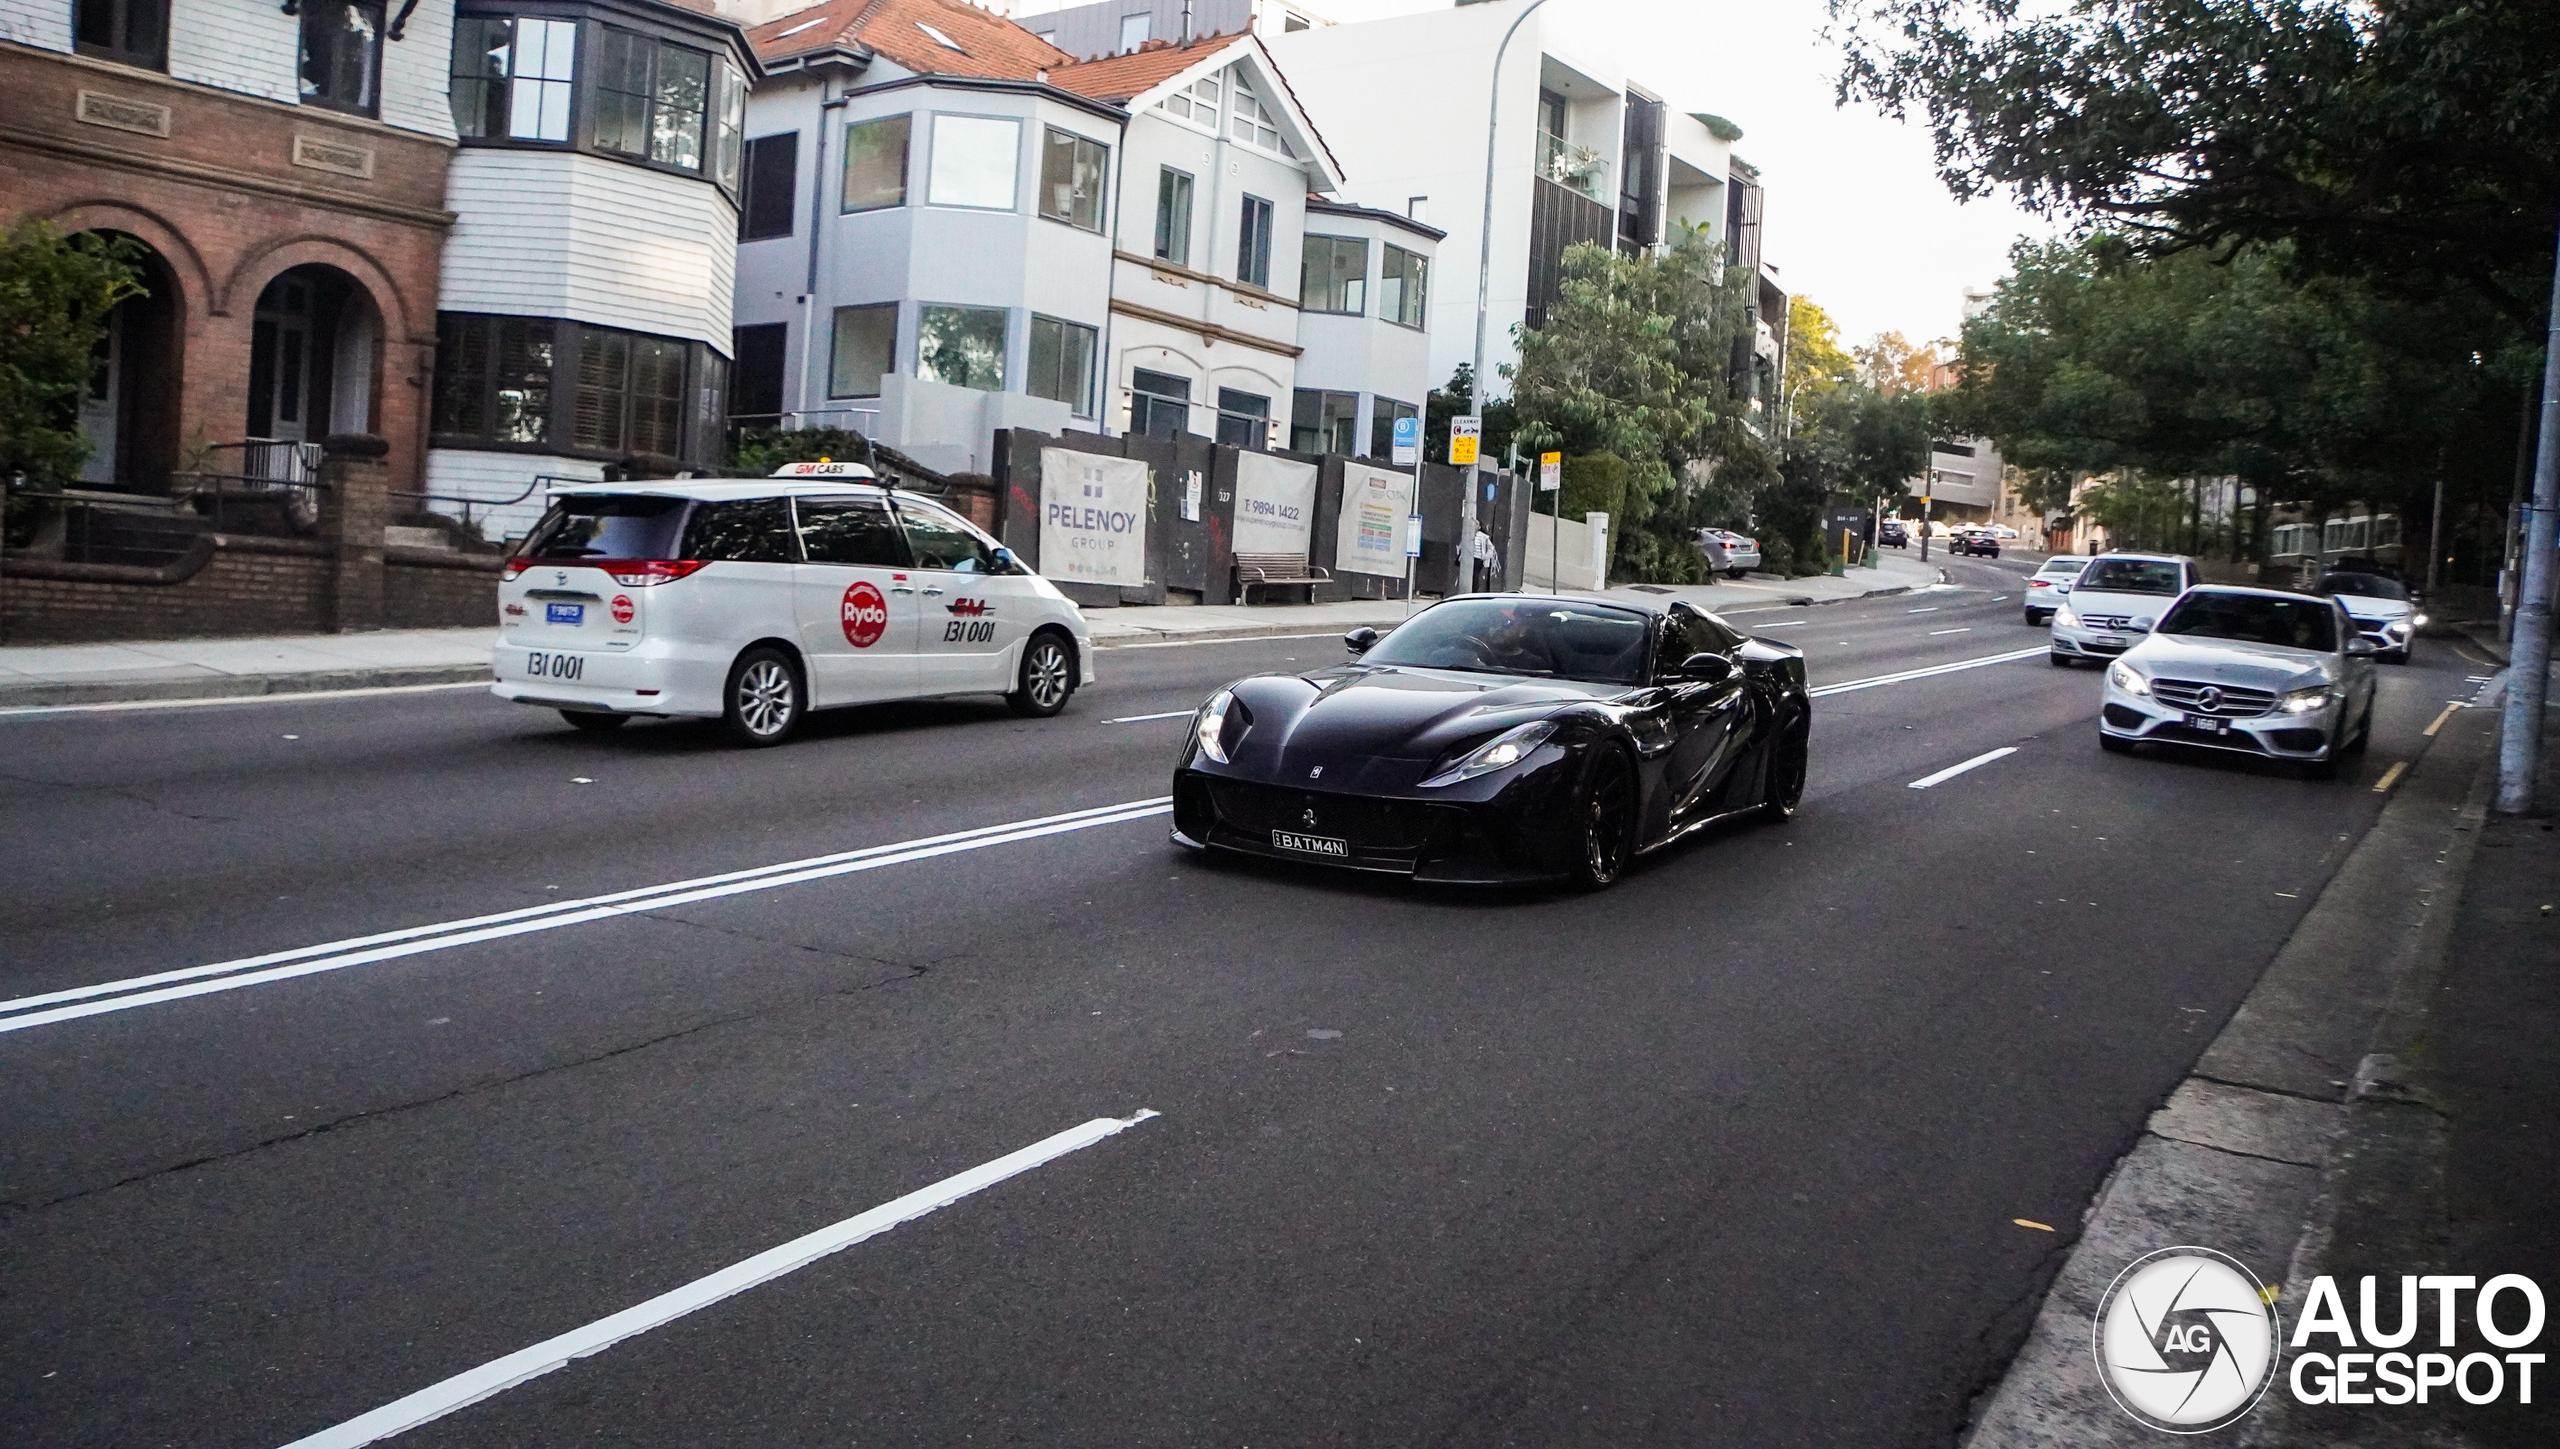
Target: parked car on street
[2260,671]
[1501,738]
[2004,533]
[2116,599]
[2050,583]
[1893,534]
[1729,553]
[755,602]
[2380,606]
[1974,543]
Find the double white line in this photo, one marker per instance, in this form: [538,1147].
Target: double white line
[79,1001]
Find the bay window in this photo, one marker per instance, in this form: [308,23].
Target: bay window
[646,97]
[1062,363]
[1403,284]
[1071,172]
[1333,274]
[976,161]
[866,348]
[514,77]
[129,32]
[963,346]
[545,384]
[875,163]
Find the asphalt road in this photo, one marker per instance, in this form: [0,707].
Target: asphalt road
[1731,1153]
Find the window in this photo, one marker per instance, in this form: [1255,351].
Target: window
[1551,114]
[975,161]
[1062,363]
[1383,413]
[601,417]
[611,525]
[769,202]
[1199,103]
[938,541]
[1333,275]
[1253,244]
[756,393]
[1254,122]
[1324,422]
[657,397]
[133,32]
[514,78]
[850,531]
[749,530]
[875,163]
[1173,216]
[493,377]
[963,346]
[1134,30]
[652,99]
[1243,419]
[1071,169]
[866,347]
[342,54]
[1403,286]
[728,127]
[1159,403]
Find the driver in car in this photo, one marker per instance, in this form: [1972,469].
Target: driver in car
[1515,644]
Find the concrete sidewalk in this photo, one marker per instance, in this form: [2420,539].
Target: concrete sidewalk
[58,675]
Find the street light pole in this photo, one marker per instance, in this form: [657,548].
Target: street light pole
[1484,269]
[2529,667]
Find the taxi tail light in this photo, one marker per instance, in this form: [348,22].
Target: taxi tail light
[516,566]
[641,573]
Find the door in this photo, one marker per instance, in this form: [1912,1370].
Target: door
[1705,717]
[854,601]
[102,401]
[280,362]
[973,616]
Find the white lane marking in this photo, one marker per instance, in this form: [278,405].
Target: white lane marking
[1951,771]
[290,697]
[1784,624]
[1143,718]
[419,940]
[1934,669]
[1967,629]
[525,1364]
[1227,639]
[1929,610]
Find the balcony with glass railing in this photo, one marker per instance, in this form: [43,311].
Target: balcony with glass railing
[1576,168]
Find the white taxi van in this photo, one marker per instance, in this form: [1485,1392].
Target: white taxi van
[754,602]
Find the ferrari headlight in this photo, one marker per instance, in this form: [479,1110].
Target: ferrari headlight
[1499,753]
[2304,701]
[1211,725]
[2129,679]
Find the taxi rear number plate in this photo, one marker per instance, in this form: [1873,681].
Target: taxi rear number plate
[1310,844]
[564,613]
[2209,724]
[538,665]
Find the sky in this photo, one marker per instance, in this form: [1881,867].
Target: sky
[1857,218]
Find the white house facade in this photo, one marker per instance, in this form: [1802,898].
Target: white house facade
[1365,319]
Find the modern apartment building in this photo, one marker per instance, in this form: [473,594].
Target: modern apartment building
[281,175]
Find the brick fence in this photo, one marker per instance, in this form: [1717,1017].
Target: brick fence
[235,585]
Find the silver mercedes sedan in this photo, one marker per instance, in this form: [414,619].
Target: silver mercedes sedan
[2259,671]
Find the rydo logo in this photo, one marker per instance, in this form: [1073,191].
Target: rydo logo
[866,615]
[2186,1340]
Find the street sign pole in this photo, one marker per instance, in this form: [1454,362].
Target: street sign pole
[1466,438]
[1551,480]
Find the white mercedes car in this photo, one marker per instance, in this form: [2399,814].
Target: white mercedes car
[2280,675]
[2380,606]
[2114,601]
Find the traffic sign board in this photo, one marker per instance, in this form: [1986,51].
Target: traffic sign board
[1550,472]
[1464,434]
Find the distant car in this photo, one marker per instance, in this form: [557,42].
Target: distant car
[1893,534]
[1975,543]
[2050,583]
[2264,672]
[1728,553]
[2380,605]
[2004,532]
[2116,599]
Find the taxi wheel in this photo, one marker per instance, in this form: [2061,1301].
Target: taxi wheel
[593,722]
[1047,677]
[762,703]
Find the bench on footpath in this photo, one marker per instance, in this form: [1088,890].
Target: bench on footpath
[1271,570]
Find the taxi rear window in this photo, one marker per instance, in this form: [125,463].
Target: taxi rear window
[606,525]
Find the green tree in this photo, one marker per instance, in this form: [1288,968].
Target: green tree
[55,295]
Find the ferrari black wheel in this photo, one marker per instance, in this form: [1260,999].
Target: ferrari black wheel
[1785,789]
[1605,814]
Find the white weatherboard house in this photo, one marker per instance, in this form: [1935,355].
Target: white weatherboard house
[585,320]
[1587,152]
[952,228]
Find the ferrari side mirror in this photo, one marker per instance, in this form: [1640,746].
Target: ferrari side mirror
[1707,668]
[1359,640]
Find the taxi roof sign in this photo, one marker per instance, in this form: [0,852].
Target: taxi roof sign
[822,469]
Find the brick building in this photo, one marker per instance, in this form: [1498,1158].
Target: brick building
[284,170]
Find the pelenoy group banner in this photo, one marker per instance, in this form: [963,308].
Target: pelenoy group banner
[1370,537]
[1275,505]
[1093,518]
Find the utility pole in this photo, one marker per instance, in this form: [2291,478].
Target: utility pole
[1484,265]
[2529,660]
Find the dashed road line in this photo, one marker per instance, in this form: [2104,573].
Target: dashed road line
[2390,778]
[1967,629]
[1951,771]
[2450,710]
[1143,718]
[1932,670]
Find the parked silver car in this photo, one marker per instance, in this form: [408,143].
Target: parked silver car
[2260,671]
[1729,553]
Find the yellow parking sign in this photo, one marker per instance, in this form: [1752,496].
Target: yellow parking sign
[1463,434]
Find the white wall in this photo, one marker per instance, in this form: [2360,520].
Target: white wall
[556,234]
[1367,354]
[461,473]
[44,24]
[1550,537]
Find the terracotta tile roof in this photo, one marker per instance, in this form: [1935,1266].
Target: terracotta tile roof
[1119,77]
[990,45]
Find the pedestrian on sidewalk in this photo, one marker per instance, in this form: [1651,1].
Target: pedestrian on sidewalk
[1488,563]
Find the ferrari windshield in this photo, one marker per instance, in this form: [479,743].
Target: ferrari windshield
[1559,639]
[2256,619]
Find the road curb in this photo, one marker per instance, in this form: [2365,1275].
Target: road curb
[2294,1113]
[72,693]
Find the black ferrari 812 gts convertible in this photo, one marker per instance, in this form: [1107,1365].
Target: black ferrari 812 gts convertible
[1495,738]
